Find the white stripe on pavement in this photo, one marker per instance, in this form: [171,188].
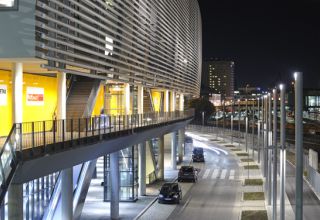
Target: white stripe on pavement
[223,174]
[206,174]
[231,176]
[215,174]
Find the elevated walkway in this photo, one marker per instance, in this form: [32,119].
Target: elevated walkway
[36,149]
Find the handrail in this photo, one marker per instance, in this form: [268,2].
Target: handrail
[33,139]
[7,163]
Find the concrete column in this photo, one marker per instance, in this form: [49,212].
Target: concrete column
[181,102]
[17,92]
[15,191]
[172,101]
[161,157]
[180,144]
[140,99]
[126,98]
[115,185]
[62,95]
[142,169]
[15,202]
[166,101]
[67,194]
[173,151]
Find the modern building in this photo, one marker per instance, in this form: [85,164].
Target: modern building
[217,79]
[86,79]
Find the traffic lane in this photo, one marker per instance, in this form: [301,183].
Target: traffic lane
[311,203]
[212,198]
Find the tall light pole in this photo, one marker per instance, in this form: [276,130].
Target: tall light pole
[259,127]
[282,151]
[268,147]
[231,122]
[253,121]
[246,121]
[275,154]
[239,116]
[299,143]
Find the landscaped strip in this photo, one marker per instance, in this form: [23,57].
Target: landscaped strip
[251,167]
[254,215]
[246,160]
[253,196]
[253,182]
[242,154]
[229,145]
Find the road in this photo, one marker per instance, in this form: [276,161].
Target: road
[216,195]
[311,204]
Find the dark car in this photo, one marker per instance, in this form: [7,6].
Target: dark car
[197,154]
[188,140]
[170,193]
[187,173]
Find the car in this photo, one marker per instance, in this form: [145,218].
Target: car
[188,140]
[197,154]
[187,173]
[170,193]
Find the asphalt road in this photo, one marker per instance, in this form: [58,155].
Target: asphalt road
[216,195]
[311,204]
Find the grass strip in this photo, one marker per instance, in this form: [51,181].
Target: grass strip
[229,145]
[247,160]
[251,167]
[253,182]
[253,196]
[254,215]
[242,154]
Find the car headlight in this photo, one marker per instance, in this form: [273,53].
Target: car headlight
[160,196]
[175,196]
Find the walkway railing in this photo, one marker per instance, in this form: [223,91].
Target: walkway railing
[35,139]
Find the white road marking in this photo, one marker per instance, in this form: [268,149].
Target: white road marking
[231,176]
[215,174]
[206,174]
[223,174]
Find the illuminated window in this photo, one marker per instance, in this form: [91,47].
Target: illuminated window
[8,4]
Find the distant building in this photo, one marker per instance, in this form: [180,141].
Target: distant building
[217,79]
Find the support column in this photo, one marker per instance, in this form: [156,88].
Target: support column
[15,202]
[173,151]
[115,185]
[172,101]
[166,101]
[161,157]
[15,191]
[67,194]
[142,169]
[17,92]
[181,102]
[127,98]
[140,99]
[62,95]
[181,144]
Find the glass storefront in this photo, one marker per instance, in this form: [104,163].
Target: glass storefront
[128,166]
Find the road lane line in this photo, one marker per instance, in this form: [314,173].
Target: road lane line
[223,174]
[215,174]
[231,176]
[206,174]
[185,205]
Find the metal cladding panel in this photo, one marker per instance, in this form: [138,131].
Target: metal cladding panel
[156,43]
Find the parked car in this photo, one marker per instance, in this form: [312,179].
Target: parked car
[170,193]
[187,173]
[197,154]
[188,140]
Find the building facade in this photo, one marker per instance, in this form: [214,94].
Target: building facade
[218,79]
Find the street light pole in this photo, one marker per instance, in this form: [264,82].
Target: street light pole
[259,127]
[239,125]
[232,112]
[299,144]
[269,151]
[275,154]
[283,151]
[253,121]
[246,121]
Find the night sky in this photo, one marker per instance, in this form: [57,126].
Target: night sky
[267,40]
